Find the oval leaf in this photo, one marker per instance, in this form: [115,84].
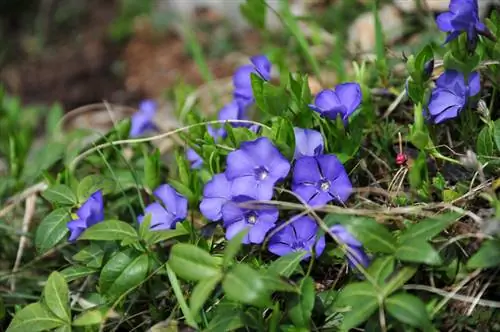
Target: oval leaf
[301,306]
[91,317]
[361,299]
[287,265]
[233,247]
[56,296]
[76,272]
[34,317]
[52,229]
[201,292]
[428,228]
[192,263]
[408,309]
[60,194]
[243,284]
[487,256]
[418,251]
[110,230]
[93,183]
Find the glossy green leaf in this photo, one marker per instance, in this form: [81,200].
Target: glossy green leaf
[152,167]
[201,292]
[110,230]
[92,255]
[92,183]
[301,305]
[496,134]
[287,265]
[255,12]
[227,316]
[418,251]
[233,247]
[408,309]
[361,301]
[34,317]
[428,228]
[381,268]
[52,230]
[192,263]
[487,256]
[60,194]
[158,236]
[484,144]
[75,272]
[56,296]
[277,283]
[245,285]
[91,317]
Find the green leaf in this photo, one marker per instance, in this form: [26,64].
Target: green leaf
[372,235]
[487,256]
[60,194]
[64,328]
[153,237]
[182,169]
[245,285]
[201,292]
[484,143]
[52,229]
[397,281]
[428,228]
[276,283]
[255,12]
[56,296]
[152,169]
[361,299]
[408,309]
[75,272]
[418,251]
[227,316]
[381,269]
[34,317]
[92,183]
[144,227]
[287,265]
[233,247]
[301,306]
[496,133]
[92,255]
[110,230]
[192,263]
[91,317]
[122,273]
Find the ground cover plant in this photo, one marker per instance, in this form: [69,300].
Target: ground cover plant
[370,205]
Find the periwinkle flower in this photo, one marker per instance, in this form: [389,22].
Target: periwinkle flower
[354,251]
[242,82]
[255,168]
[451,95]
[172,210]
[462,17]
[341,101]
[195,160]
[258,221]
[308,142]
[298,235]
[142,120]
[90,213]
[321,179]
[216,193]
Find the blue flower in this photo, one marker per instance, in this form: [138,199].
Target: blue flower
[321,179]
[90,213]
[194,159]
[255,168]
[462,17]
[354,251]
[142,120]
[341,101]
[258,221]
[172,210]
[300,234]
[216,193]
[242,82]
[451,95]
[308,142]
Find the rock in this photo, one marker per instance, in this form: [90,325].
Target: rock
[362,32]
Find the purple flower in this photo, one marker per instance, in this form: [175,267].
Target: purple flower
[462,17]
[259,221]
[231,111]
[216,133]
[342,101]
[90,213]
[194,159]
[255,168]
[242,82]
[298,235]
[354,251]
[216,193]
[173,210]
[142,120]
[321,179]
[308,142]
[451,95]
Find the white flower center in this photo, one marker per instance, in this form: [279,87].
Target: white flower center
[325,185]
[252,219]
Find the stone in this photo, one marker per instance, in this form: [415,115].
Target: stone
[362,31]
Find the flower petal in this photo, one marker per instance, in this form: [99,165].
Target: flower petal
[235,228]
[330,166]
[443,21]
[262,66]
[341,187]
[232,213]
[76,228]
[305,228]
[320,199]
[449,113]
[327,100]
[442,99]
[344,236]
[259,230]
[349,95]
[240,163]
[306,170]
[474,84]
[308,142]
[280,249]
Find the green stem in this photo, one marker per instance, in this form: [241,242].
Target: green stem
[176,287]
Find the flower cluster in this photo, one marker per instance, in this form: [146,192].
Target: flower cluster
[142,120]
[171,210]
[90,213]
[339,102]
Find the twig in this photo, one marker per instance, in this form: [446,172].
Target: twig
[16,199]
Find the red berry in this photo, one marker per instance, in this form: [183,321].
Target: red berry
[401,159]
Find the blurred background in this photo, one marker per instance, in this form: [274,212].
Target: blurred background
[79,52]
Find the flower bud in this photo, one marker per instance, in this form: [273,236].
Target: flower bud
[428,68]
